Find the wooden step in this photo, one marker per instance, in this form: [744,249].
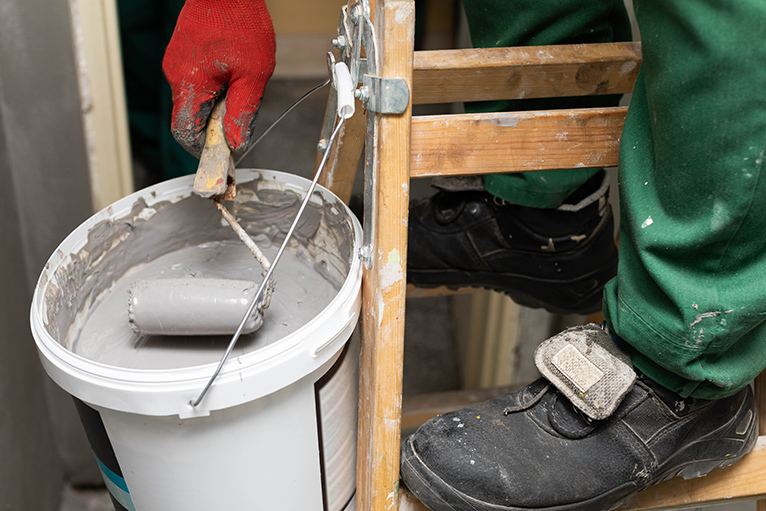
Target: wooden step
[483,74]
[444,145]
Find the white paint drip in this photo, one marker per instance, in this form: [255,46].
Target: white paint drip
[392,273]
[704,315]
[627,67]
[391,500]
[508,121]
[381,308]
[403,12]
[575,146]
[647,223]
[147,213]
[330,175]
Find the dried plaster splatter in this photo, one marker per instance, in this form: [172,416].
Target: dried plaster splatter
[392,272]
[704,315]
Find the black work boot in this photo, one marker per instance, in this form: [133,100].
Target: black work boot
[558,259]
[533,449]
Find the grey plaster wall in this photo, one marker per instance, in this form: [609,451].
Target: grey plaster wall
[44,194]
[30,471]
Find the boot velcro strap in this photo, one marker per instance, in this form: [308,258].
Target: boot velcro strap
[586,366]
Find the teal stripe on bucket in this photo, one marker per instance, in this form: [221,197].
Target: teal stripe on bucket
[117,487]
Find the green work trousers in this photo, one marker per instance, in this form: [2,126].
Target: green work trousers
[689,299]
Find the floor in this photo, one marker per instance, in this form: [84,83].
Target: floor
[91,499]
[98,500]
[430,355]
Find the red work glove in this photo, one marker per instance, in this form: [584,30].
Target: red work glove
[219,47]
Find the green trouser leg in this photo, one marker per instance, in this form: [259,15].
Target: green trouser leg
[497,23]
[145,30]
[689,298]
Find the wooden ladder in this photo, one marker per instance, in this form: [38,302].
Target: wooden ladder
[424,146]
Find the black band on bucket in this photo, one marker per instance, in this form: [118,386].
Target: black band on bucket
[107,461]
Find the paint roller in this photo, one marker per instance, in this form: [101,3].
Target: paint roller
[196,306]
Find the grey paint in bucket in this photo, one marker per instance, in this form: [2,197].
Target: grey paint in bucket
[107,337]
[267,385]
[194,241]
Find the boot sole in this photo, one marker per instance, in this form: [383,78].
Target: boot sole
[582,295]
[440,496]
[596,261]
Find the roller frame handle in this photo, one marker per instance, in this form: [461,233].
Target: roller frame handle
[215,173]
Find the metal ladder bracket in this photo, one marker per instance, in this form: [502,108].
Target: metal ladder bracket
[384,95]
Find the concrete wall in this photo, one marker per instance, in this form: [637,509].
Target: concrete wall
[44,194]
[30,472]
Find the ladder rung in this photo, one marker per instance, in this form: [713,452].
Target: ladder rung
[515,141]
[447,76]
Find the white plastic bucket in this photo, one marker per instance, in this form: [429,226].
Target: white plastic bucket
[271,434]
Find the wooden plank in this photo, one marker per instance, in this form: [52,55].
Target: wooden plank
[342,164]
[515,141]
[104,110]
[483,74]
[385,284]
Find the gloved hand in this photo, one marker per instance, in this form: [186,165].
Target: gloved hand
[219,47]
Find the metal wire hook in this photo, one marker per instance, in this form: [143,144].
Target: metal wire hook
[282,116]
[267,277]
